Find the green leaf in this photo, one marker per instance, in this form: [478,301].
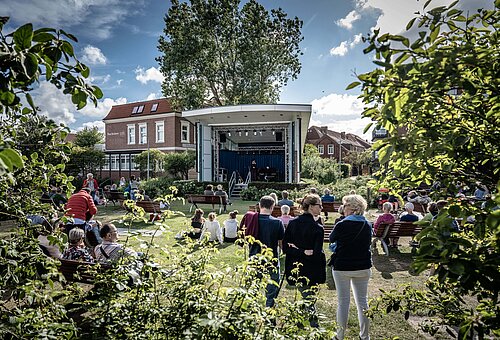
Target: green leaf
[427,3]
[353,85]
[384,153]
[23,36]
[30,101]
[43,37]
[410,23]
[97,92]
[31,65]
[454,211]
[68,48]
[7,98]
[367,127]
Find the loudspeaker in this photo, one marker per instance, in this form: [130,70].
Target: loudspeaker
[279,136]
[222,137]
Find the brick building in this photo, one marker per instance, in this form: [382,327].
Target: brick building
[136,127]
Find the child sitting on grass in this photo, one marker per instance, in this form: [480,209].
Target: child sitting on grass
[212,227]
[231,228]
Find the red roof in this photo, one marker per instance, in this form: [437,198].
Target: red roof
[125,110]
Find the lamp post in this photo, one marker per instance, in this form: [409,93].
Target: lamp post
[148,159]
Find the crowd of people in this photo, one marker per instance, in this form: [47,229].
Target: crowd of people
[299,238]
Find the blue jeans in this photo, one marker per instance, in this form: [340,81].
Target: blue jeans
[272,290]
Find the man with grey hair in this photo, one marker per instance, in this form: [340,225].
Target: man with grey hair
[271,232]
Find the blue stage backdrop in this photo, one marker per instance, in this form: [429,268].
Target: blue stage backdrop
[240,161]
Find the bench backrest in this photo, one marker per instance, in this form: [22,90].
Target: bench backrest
[115,195]
[77,271]
[294,211]
[214,199]
[401,229]
[149,206]
[331,206]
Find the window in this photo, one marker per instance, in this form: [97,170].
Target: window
[154,107]
[140,109]
[134,110]
[133,166]
[321,149]
[131,134]
[143,133]
[114,162]
[185,132]
[160,132]
[330,149]
[106,163]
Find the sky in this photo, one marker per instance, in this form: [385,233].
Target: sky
[118,40]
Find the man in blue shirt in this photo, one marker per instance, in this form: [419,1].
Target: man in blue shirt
[285,200]
[271,232]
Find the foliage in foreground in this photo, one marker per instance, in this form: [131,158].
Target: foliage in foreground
[187,298]
[438,98]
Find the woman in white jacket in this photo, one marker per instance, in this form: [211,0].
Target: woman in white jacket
[212,227]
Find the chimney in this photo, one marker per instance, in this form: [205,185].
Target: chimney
[342,135]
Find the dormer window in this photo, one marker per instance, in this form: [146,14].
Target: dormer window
[134,110]
[140,109]
[154,107]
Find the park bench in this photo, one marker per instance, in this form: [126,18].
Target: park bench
[206,199]
[77,271]
[294,211]
[151,207]
[327,230]
[114,196]
[396,229]
[331,206]
[421,208]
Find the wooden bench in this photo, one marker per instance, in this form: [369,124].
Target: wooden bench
[421,208]
[76,271]
[294,211]
[396,229]
[114,196]
[206,199]
[151,207]
[327,229]
[331,206]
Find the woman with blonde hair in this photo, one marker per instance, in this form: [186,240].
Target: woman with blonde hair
[212,227]
[303,245]
[352,262]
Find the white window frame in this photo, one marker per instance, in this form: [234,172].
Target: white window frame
[145,139]
[160,138]
[185,124]
[331,149]
[321,149]
[154,107]
[115,160]
[130,133]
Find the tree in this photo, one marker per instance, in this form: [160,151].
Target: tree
[84,155]
[220,53]
[324,170]
[179,164]
[438,97]
[358,159]
[156,161]
[33,153]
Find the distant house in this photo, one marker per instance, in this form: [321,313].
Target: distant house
[333,144]
[136,127]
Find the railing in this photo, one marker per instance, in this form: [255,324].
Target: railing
[232,182]
[247,180]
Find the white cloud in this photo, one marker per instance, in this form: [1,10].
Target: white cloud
[345,46]
[100,79]
[152,96]
[103,107]
[54,104]
[96,18]
[151,74]
[357,39]
[348,20]
[340,112]
[340,50]
[119,82]
[93,55]
[96,123]
[393,15]
[58,106]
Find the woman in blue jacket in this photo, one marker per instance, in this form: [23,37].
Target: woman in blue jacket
[352,263]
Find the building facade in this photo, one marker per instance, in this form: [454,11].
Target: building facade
[336,145]
[140,126]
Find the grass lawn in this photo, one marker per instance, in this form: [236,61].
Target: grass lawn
[388,271]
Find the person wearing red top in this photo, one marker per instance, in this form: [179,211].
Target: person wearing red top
[81,206]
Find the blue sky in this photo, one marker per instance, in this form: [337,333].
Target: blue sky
[118,40]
